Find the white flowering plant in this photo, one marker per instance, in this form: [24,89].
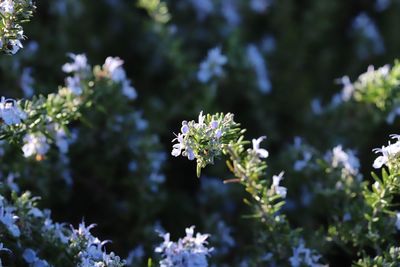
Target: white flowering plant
[13,13]
[90,141]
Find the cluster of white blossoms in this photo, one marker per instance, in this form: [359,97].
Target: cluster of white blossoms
[303,256]
[92,252]
[35,144]
[211,131]
[190,251]
[345,159]
[114,70]
[10,113]
[350,91]
[78,244]
[212,65]
[389,153]
[79,67]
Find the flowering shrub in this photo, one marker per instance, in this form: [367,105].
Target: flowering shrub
[91,140]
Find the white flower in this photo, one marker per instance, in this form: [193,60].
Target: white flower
[262,153]
[16,45]
[190,251]
[348,88]
[79,63]
[177,148]
[35,144]
[113,66]
[347,159]
[388,152]
[256,60]
[212,65]
[280,190]
[10,112]
[6,6]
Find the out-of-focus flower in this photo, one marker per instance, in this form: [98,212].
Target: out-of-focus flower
[212,65]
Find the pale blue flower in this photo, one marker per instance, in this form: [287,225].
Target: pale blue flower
[365,26]
[79,63]
[10,112]
[212,65]
[35,144]
[256,60]
[74,84]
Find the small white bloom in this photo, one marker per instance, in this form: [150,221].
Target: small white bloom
[35,144]
[16,45]
[79,63]
[262,153]
[113,66]
[280,190]
[7,7]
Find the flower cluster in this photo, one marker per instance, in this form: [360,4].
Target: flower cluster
[204,140]
[190,251]
[113,69]
[13,13]
[346,159]
[42,242]
[389,154]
